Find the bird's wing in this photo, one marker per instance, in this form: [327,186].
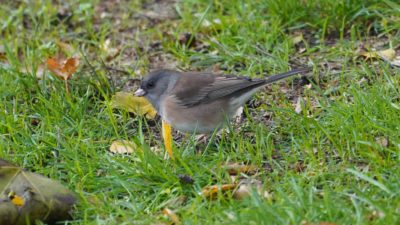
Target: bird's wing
[193,89]
[197,88]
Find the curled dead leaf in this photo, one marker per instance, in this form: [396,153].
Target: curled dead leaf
[235,168]
[133,104]
[123,147]
[212,191]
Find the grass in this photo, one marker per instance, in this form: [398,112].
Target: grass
[335,161]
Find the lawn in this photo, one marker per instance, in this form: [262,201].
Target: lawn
[326,146]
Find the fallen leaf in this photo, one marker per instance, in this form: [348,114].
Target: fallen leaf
[171,215]
[247,186]
[122,147]
[235,168]
[388,55]
[297,39]
[63,69]
[212,191]
[396,61]
[382,141]
[26,197]
[133,104]
[369,55]
[167,136]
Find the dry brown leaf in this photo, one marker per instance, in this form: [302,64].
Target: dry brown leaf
[63,69]
[133,104]
[122,147]
[235,168]
[172,216]
[212,191]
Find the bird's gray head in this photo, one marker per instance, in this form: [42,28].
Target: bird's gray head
[156,84]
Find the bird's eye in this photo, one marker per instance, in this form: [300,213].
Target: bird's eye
[150,84]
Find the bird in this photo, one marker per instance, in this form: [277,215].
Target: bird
[201,102]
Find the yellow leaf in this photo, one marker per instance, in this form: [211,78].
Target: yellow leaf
[212,191]
[369,55]
[388,54]
[297,39]
[133,104]
[122,147]
[167,136]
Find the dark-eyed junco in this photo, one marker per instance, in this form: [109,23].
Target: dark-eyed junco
[196,102]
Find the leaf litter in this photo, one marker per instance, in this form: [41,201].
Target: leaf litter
[26,196]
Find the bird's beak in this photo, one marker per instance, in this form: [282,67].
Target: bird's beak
[140,92]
